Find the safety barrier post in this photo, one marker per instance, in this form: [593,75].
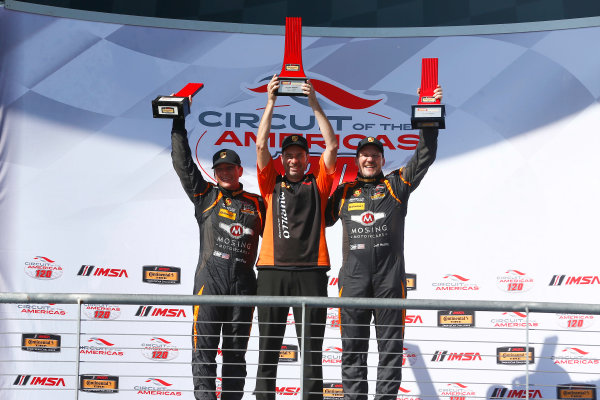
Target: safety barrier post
[78,359]
[527,353]
[302,350]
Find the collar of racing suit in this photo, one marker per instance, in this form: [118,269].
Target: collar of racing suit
[231,193]
[376,178]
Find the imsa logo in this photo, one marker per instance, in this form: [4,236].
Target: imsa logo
[288,353]
[151,311]
[559,280]
[444,355]
[90,270]
[287,390]
[99,383]
[579,391]
[40,342]
[505,393]
[30,380]
[514,355]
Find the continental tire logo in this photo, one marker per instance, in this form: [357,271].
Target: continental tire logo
[580,391]
[514,355]
[99,383]
[333,391]
[411,282]
[40,342]
[288,353]
[456,319]
[161,274]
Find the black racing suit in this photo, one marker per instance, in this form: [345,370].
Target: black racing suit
[230,224]
[373,212]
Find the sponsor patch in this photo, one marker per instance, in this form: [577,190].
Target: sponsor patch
[456,319]
[226,214]
[333,391]
[40,342]
[288,353]
[356,206]
[514,355]
[580,391]
[161,274]
[411,282]
[99,383]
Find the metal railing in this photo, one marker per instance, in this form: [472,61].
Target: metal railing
[23,369]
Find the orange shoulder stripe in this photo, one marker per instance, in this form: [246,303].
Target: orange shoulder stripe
[387,183]
[214,203]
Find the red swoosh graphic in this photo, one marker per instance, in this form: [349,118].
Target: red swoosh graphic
[43,258]
[333,93]
[341,97]
[259,89]
[161,340]
[403,390]
[104,342]
[515,272]
[457,384]
[160,381]
[517,313]
[575,349]
[457,277]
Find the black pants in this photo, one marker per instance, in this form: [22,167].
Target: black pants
[272,324]
[389,328]
[235,324]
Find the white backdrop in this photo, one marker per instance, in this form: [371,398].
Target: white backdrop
[507,212]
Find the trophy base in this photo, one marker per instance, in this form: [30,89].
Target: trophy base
[290,87]
[428,116]
[170,107]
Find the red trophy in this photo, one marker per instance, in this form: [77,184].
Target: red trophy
[292,74]
[176,106]
[429,112]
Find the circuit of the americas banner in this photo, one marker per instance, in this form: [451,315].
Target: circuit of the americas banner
[90,202]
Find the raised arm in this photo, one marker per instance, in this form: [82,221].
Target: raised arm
[263,156]
[190,176]
[331,143]
[424,156]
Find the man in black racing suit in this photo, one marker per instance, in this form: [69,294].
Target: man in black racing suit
[373,209]
[230,222]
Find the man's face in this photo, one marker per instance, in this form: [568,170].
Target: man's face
[228,175]
[369,161]
[295,160]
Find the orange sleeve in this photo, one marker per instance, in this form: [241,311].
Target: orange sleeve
[266,180]
[324,181]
